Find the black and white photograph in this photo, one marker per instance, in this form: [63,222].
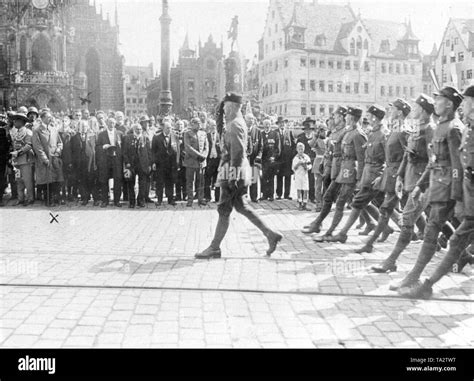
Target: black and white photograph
[253,174]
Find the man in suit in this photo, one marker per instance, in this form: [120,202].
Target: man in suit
[83,162]
[166,154]
[271,150]
[137,161]
[109,162]
[213,160]
[234,178]
[196,150]
[181,171]
[288,152]
[254,154]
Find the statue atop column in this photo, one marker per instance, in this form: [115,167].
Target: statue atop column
[233,64]
[233,32]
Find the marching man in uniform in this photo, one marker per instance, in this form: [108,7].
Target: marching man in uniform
[464,234]
[445,184]
[234,178]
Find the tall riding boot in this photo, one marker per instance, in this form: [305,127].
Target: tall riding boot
[272,237]
[388,265]
[424,257]
[214,251]
[369,245]
[315,226]
[338,214]
[342,235]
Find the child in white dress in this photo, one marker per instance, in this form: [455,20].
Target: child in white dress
[301,165]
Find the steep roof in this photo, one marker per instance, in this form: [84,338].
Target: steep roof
[322,19]
[465,28]
[381,30]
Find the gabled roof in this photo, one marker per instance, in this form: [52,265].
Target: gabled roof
[465,28]
[381,30]
[409,35]
[322,19]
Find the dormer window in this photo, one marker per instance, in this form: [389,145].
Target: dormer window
[359,43]
[352,46]
[320,40]
[385,46]
[366,44]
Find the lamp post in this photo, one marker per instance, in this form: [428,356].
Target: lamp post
[166,101]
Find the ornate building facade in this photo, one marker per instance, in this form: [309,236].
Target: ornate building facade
[198,80]
[137,80]
[455,58]
[314,56]
[52,53]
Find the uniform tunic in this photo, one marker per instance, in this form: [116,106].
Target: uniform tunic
[353,149]
[336,138]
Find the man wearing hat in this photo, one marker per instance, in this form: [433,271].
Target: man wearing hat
[352,164]
[271,149]
[394,152]
[32,115]
[373,169]
[413,165]
[288,151]
[48,147]
[234,177]
[22,159]
[145,123]
[332,192]
[5,143]
[445,173]
[464,234]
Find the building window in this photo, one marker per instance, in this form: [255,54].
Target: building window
[456,40]
[128,100]
[331,109]
[397,91]
[280,109]
[312,62]
[366,66]
[405,91]
[303,62]
[303,85]
[322,64]
[453,58]
[190,84]
[280,42]
[322,110]
[443,60]
[330,87]
[348,88]
[273,45]
[469,74]
[286,62]
[322,86]
[447,42]
[460,56]
[390,91]
[405,68]
[140,101]
[366,88]
[366,44]
[313,109]
[412,69]
[286,85]
[425,89]
[134,100]
[356,87]
[356,65]
[312,85]
[339,87]
[271,89]
[348,65]
[276,65]
[462,75]
[444,78]
[359,43]
[276,88]
[303,109]
[384,67]
[352,47]
[397,68]
[339,65]
[330,64]
[390,68]
[412,91]
[382,91]
[276,28]
[286,109]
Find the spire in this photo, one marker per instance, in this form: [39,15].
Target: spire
[409,35]
[210,39]
[186,42]
[434,51]
[116,14]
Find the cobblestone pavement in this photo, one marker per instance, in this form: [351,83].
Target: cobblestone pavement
[127,278]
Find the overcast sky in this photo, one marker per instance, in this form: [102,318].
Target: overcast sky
[140,27]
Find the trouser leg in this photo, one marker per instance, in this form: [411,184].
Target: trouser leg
[460,240]
[311,186]
[440,213]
